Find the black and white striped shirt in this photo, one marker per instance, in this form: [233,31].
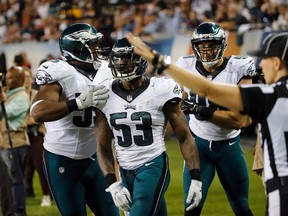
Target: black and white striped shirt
[268,105]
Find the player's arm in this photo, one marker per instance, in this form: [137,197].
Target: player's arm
[46,105]
[103,144]
[229,119]
[181,130]
[189,151]
[232,119]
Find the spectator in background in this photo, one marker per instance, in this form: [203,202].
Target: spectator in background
[161,25]
[6,197]
[36,132]
[16,105]
[51,30]
[201,6]
[13,32]
[234,17]
[220,13]
[192,21]
[22,60]
[281,23]
[122,22]
[3,27]
[268,11]
[42,8]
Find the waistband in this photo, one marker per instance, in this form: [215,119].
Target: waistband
[220,141]
[276,183]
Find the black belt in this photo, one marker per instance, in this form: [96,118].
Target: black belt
[276,183]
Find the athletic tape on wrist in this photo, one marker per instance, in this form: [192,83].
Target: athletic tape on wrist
[195,174]
[155,59]
[110,178]
[72,105]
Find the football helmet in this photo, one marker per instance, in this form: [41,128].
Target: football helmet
[81,42]
[209,42]
[124,63]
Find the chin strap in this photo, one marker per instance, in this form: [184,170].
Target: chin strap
[210,64]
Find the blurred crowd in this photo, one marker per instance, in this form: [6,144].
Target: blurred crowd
[44,20]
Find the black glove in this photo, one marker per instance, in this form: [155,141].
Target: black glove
[202,113]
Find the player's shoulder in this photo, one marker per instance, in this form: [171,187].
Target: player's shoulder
[165,86]
[242,64]
[53,64]
[53,70]
[241,60]
[185,60]
[103,73]
[104,65]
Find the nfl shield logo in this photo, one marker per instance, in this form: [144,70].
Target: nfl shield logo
[209,77]
[129,98]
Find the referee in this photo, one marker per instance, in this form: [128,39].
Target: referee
[267,104]
[272,105]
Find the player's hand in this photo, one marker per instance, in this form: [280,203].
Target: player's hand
[120,195]
[99,96]
[94,96]
[194,194]
[187,107]
[201,112]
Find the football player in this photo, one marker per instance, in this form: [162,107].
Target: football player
[217,129]
[136,112]
[65,103]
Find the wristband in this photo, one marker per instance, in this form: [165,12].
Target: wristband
[195,174]
[72,105]
[206,112]
[165,63]
[110,178]
[155,59]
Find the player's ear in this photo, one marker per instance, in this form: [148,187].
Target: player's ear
[277,63]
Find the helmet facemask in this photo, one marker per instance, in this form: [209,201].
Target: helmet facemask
[209,52]
[209,42]
[124,63]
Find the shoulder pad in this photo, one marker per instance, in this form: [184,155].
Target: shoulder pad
[52,71]
[244,63]
[166,87]
[189,56]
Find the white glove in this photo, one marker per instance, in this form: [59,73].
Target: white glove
[95,96]
[195,193]
[120,195]
[100,96]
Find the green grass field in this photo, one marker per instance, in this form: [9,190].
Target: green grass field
[216,203]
